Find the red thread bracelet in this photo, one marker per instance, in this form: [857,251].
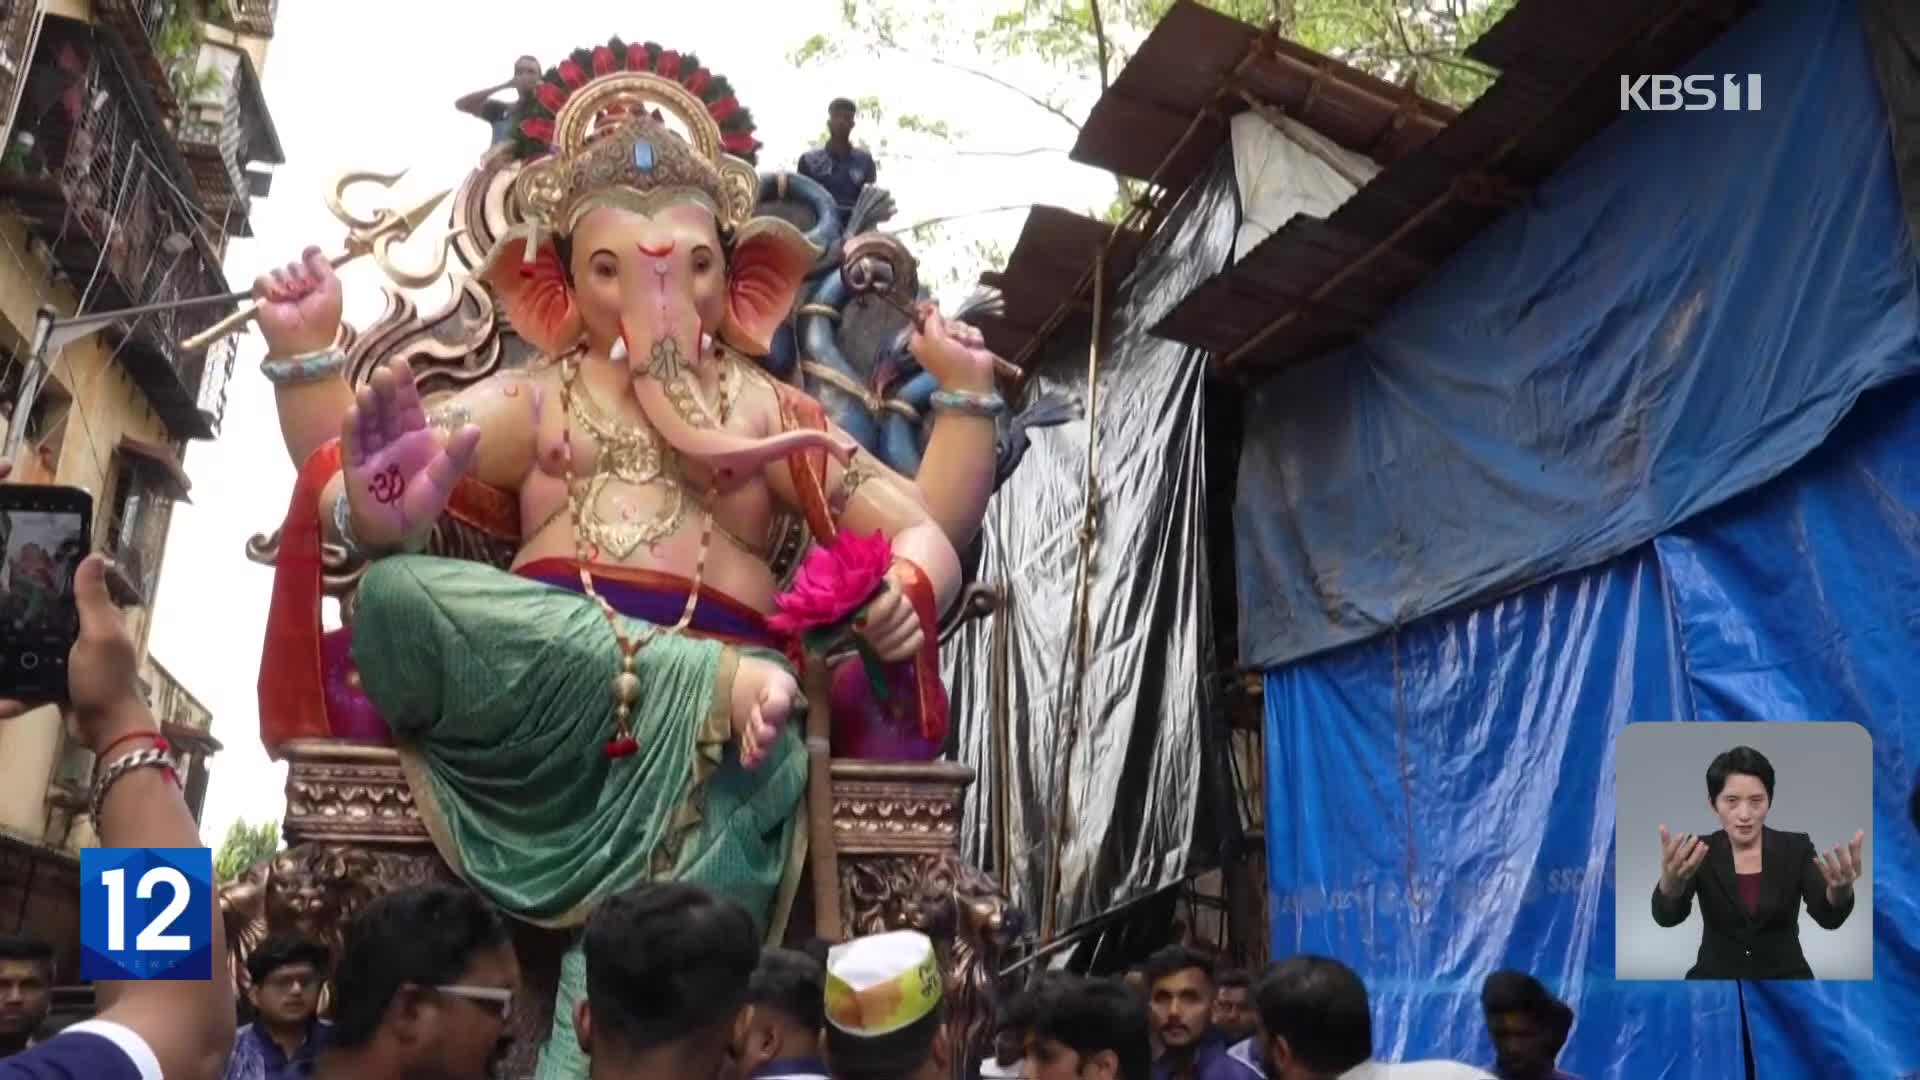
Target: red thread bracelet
[158,740]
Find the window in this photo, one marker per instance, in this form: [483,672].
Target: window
[146,482]
[46,423]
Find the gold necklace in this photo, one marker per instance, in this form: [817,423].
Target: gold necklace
[626,683]
[629,454]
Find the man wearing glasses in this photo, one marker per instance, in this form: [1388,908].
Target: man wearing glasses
[287,1033]
[424,988]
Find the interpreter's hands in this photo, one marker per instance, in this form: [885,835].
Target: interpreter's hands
[955,353]
[889,624]
[103,695]
[299,305]
[1680,859]
[1841,867]
[400,470]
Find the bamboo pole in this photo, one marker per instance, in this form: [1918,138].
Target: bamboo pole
[823,857]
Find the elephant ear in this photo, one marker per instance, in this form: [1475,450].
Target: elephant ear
[770,261]
[535,295]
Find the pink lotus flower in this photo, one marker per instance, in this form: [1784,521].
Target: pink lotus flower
[834,581]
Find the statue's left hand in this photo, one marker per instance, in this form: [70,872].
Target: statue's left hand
[399,470]
[890,625]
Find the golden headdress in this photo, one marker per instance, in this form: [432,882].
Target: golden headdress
[637,127]
[596,132]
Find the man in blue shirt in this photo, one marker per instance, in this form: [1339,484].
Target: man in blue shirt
[777,1036]
[1180,994]
[840,167]
[499,114]
[287,1034]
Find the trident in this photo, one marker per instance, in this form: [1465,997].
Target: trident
[374,236]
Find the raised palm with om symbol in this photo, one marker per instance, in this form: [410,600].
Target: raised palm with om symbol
[400,470]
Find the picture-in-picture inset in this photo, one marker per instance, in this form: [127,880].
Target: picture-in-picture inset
[1744,851]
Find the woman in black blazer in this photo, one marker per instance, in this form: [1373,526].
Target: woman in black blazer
[1755,879]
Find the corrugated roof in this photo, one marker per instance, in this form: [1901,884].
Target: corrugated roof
[1316,282]
[1163,120]
[1056,250]
[1193,70]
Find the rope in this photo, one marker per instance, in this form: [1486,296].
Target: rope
[1079,632]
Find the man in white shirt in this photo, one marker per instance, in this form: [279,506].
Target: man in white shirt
[1316,1024]
[145,1030]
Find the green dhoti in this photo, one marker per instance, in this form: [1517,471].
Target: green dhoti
[497,687]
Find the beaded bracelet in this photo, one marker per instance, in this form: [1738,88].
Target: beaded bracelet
[305,368]
[968,403]
[151,757]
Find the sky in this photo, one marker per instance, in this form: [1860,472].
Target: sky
[353,84]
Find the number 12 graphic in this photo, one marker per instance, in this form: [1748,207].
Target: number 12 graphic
[146,913]
[155,937]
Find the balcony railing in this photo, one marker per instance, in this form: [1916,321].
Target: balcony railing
[172,704]
[17,21]
[255,16]
[122,226]
[223,130]
[142,25]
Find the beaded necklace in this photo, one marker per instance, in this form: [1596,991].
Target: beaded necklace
[626,683]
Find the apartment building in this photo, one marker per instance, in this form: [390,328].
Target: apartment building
[136,139]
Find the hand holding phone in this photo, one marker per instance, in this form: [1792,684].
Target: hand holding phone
[99,666]
[43,538]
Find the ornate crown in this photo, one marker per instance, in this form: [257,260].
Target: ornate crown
[596,130]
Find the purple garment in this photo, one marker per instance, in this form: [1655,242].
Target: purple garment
[660,607]
[1211,1062]
[257,1057]
[870,730]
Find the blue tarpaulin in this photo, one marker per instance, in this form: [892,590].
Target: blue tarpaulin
[1441,804]
[1678,315]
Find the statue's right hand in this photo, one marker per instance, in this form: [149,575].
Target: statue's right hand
[399,470]
[1680,859]
[299,305]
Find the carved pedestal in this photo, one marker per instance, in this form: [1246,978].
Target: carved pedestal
[896,828]
[353,833]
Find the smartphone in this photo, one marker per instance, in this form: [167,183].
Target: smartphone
[43,538]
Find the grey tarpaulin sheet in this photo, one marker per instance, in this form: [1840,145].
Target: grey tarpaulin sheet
[1893,32]
[1142,777]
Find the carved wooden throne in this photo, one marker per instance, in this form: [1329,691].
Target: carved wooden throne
[890,830]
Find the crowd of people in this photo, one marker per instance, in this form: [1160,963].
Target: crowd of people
[677,982]
[678,985]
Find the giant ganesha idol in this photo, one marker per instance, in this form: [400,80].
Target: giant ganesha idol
[617,705]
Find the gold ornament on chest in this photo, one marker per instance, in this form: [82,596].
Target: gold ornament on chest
[629,455]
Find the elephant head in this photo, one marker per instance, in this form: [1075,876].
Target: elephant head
[639,244]
[664,290]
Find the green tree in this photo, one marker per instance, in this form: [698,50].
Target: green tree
[1071,50]
[243,846]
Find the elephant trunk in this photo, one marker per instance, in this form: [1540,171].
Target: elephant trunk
[665,346]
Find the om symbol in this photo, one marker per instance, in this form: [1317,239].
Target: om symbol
[388,485]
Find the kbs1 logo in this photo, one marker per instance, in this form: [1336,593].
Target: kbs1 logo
[146,913]
[1694,93]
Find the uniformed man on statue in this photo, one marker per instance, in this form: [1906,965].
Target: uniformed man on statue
[840,167]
